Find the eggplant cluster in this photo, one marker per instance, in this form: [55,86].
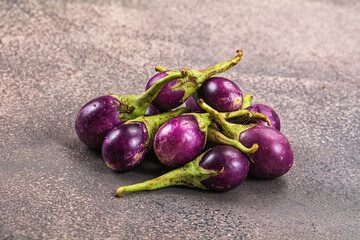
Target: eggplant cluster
[213,143]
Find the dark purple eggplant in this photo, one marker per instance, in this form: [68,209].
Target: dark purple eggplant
[274,156]
[192,104]
[177,91]
[151,110]
[219,169]
[102,114]
[268,112]
[221,94]
[126,145]
[96,119]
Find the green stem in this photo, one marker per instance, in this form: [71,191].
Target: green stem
[144,99]
[243,119]
[224,66]
[236,114]
[133,106]
[247,101]
[160,69]
[219,119]
[153,123]
[230,130]
[196,78]
[217,137]
[190,175]
[260,116]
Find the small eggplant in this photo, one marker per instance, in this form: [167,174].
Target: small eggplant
[182,138]
[221,94]
[268,112]
[126,145]
[192,104]
[102,114]
[177,91]
[219,169]
[151,110]
[274,156]
[263,109]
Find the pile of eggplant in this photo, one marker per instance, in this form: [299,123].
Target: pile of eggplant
[213,143]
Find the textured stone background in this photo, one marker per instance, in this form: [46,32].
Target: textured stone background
[57,55]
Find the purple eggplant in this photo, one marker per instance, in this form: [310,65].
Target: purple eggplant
[274,156]
[166,99]
[177,91]
[126,145]
[102,114]
[263,109]
[151,110]
[96,119]
[268,112]
[182,138]
[221,94]
[192,104]
[234,166]
[219,169]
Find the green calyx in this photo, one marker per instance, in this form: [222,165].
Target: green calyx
[153,123]
[230,130]
[247,101]
[196,78]
[215,136]
[205,120]
[190,175]
[132,106]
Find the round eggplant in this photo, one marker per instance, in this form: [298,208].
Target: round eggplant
[177,91]
[219,169]
[102,114]
[268,112]
[126,146]
[221,94]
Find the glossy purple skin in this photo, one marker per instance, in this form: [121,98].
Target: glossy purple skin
[96,119]
[194,107]
[221,94]
[268,112]
[179,141]
[124,147]
[235,165]
[274,157]
[151,110]
[166,99]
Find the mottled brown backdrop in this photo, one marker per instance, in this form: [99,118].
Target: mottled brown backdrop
[301,57]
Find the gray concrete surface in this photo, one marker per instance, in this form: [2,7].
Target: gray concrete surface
[300,57]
